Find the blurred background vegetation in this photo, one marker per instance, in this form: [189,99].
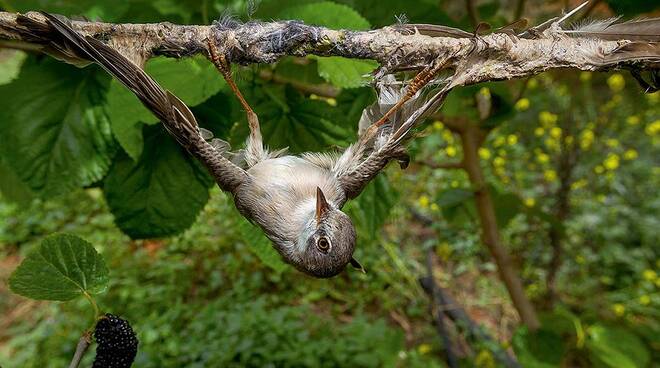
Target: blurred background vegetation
[570,158]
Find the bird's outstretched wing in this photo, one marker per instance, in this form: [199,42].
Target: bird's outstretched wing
[174,114]
[362,161]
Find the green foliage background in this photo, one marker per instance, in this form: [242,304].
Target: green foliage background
[79,154]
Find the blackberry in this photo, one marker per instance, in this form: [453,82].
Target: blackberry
[116,343]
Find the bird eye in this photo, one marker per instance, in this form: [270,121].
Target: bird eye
[323,244]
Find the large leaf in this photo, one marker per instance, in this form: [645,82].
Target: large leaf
[159,195]
[10,64]
[339,71]
[62,268]
[193,80]
[616,347]
[12,187]
[288,119]
[56,134]
[372,208]
[260,245]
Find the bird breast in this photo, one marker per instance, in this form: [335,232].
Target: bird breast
[281,195]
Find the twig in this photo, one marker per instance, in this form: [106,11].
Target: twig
[438,315]
[81,349]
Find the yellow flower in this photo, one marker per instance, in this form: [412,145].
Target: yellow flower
[423,201]
[499,161]
[644,300]
[435,207]
[450,151]
[542,158]
[630,154]
[653,97]
[653,128]
[585,76]
[579,184]
[586,139]
[512,139]
[499,141]
[331,101]
[547,119]
[599,169]
[611,162]
[443,251]
[612,143]
[619,309]
[533,83]
[616,82]
[555,132]
[485,359]
[539,132]
[484,153]
[552,143]
[550,175]
[601,198]
[437,125]
[649,275]
[484,91]
[454,184]
[632,120]
[501,152]
[529,202]
[579,259]
[569,140]
[448,136]
[522,104]
[424,349]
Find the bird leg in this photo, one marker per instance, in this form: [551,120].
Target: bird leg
[224,67]
[422,78]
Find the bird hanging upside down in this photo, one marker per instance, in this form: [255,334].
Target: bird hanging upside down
[295,200]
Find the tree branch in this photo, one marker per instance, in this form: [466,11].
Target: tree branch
[81,349]
[496,56]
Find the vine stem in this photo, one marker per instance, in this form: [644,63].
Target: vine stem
[81,349]
[94,306]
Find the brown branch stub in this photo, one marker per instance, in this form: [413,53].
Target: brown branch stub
[496,56]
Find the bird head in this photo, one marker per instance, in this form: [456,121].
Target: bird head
[327,241]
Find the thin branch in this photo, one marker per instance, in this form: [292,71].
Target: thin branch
[491,57]
[81,349]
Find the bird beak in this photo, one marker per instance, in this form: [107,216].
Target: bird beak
[357,265]
[322,205]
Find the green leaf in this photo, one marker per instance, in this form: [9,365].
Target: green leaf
[62,268]
[372,208]
[345,73]
[261,246]
[12,187]
[327,14]
[341,72]
[56,133]
[193,80]
[616,347]
[288,119]
[159,195]
[540,349]
[10,64]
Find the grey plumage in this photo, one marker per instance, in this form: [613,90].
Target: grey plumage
[611,29]
[296,200]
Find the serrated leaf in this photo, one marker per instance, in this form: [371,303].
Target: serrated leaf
[372,208]
[259,244]
[341,72]
[345,73]
[159,195]
[288,119]
[327,14]
[193,80]
[12,187]
[62,268]
[56,134]
[10,64]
